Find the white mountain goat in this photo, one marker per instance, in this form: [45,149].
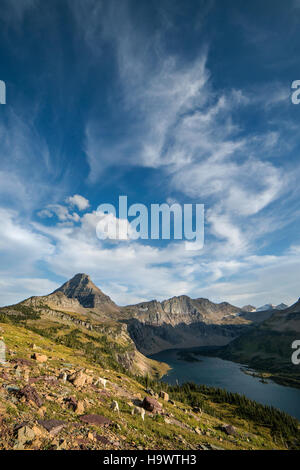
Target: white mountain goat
[138,411]
[101,381]
[115,406]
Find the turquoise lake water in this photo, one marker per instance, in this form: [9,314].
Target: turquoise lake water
[216,372]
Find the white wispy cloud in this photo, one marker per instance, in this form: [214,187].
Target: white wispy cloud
[27,172]
[179,123]
[21,247]
[60,211]
[186,128]
[257,280]
[79,201]
[132,272]
[183,126]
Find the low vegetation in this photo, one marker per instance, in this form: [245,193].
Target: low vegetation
[192,416]
[283,427]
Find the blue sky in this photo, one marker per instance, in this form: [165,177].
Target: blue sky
[161,101]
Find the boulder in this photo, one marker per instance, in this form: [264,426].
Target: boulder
[71,403]
[164,396]
[22,362]
[80,407]
[53,426]
[229,430]
[31,395]
[197,409]
[19,446]
[102,439]
[41,358]
[26,375]
[18,372]
[13,389]
[96,420]
[39,431]
[78,379]
[41,411]
[89,380]
[25,434]
[63,376]
[152,405]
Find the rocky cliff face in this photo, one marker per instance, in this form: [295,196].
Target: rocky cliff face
[151,339]
[183,310]
[182,322]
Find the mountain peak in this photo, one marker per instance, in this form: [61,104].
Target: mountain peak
[81,279]
[82,288]
[81,276]
[281,306]
[266,307]
[248,308]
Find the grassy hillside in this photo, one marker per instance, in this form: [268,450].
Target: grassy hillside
[105,343]
[177,425]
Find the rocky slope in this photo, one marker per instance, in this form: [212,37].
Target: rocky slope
[53,397]
[70,359]
[106,340]
[257,317]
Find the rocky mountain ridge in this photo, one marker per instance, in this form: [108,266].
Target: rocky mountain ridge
[152,326]
[182,322]
[266,307]
[182,309]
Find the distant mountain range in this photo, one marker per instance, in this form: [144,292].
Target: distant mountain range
[272,307]
[264,308]
[260,337]
[154,326]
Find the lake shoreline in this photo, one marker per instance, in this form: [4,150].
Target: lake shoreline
[213,371]
[262,373]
